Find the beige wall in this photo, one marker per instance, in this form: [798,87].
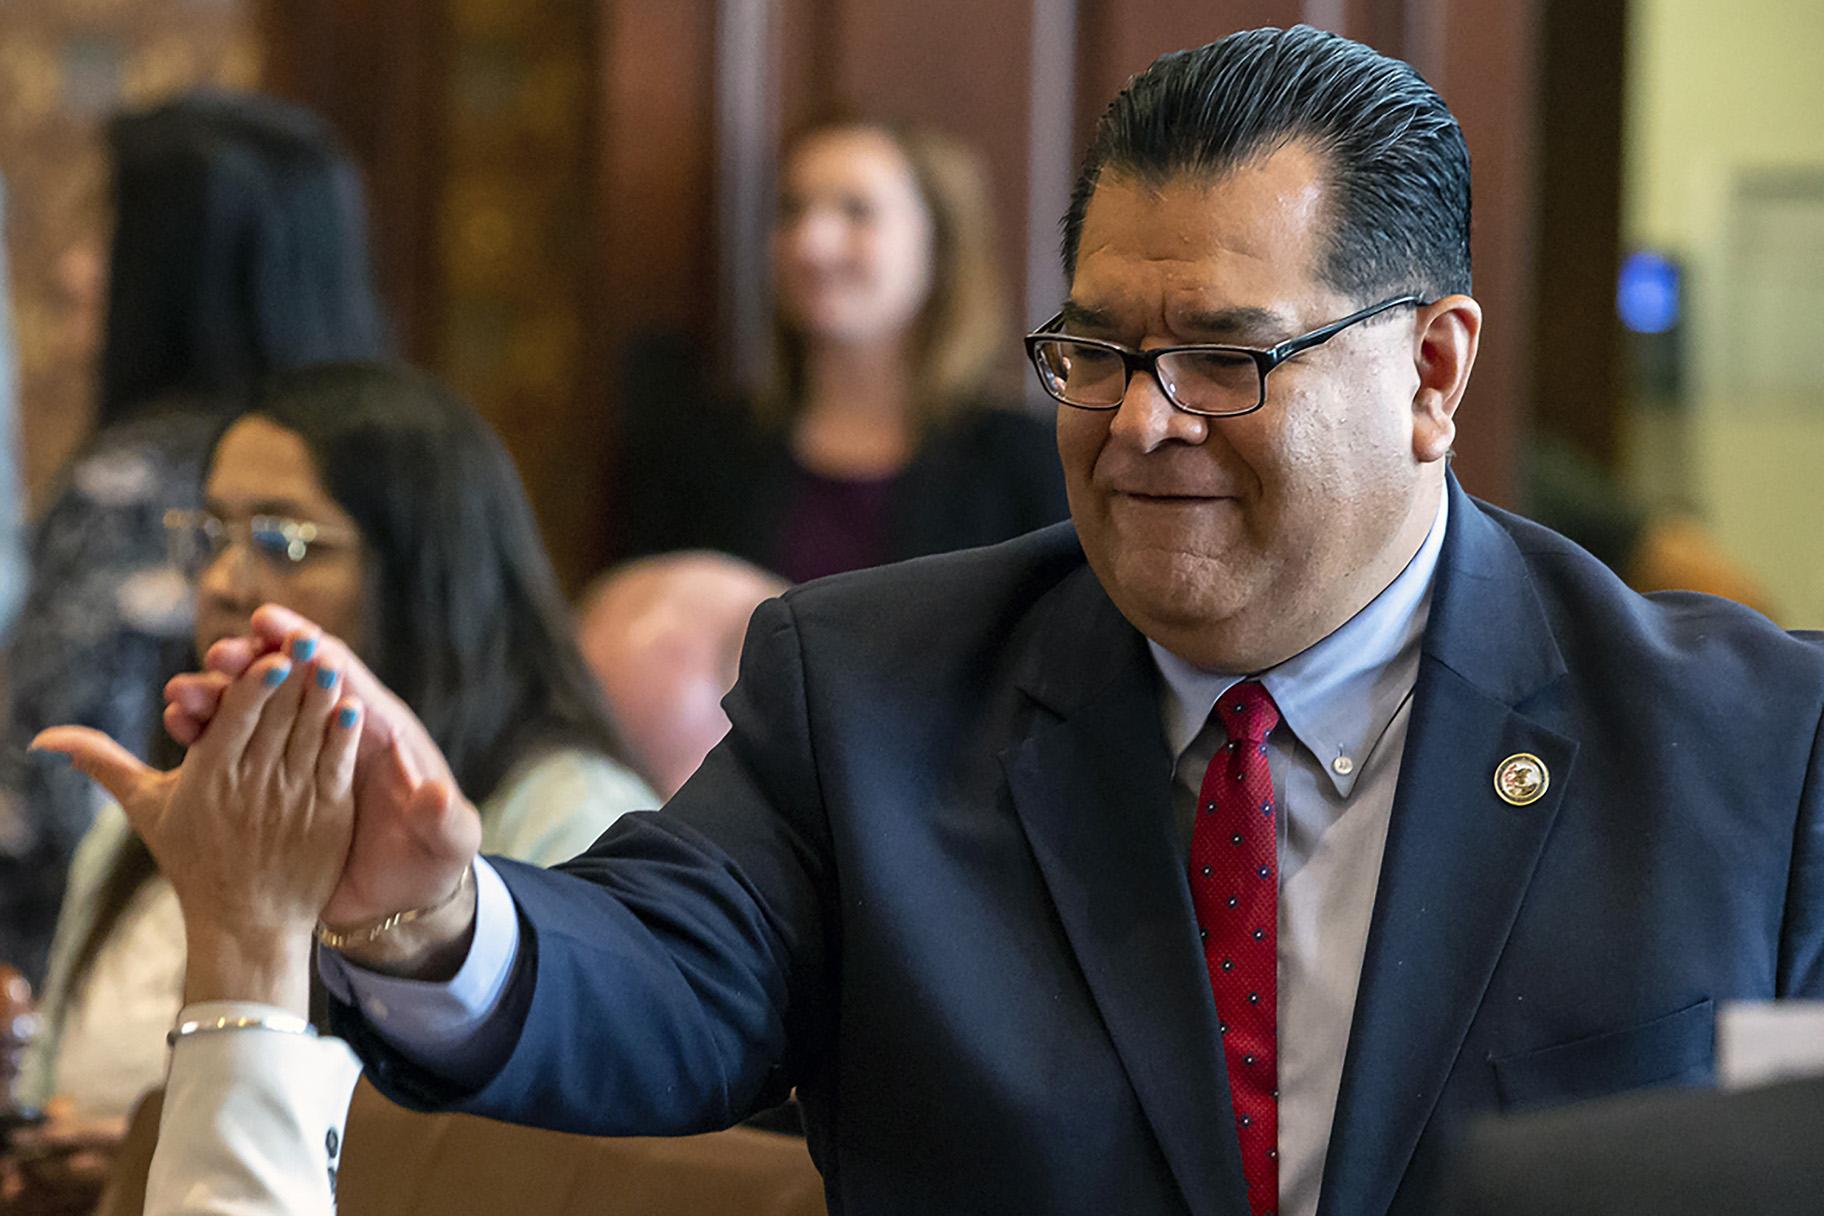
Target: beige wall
[1717,90]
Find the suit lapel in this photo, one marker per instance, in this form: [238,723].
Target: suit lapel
[1092,787]
[1458,858]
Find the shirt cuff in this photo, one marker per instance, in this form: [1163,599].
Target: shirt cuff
[252,1122]
[437,1025]
[280,1049]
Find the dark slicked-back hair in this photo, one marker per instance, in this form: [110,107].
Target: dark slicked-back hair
[1398,168]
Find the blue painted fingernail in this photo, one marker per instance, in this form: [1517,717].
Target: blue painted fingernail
[303,648]
[276,676]
[326,677]
[347,716]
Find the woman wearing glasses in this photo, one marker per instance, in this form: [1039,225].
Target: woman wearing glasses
[239,248]
[369,499]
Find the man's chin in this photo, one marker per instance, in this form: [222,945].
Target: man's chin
[1173,591]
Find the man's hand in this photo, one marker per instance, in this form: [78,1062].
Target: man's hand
[192,699]
[414,832]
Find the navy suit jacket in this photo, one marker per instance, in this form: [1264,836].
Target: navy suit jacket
[931,879]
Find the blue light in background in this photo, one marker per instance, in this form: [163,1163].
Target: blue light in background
[1646,294]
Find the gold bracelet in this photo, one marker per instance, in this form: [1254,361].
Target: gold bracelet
[284,1023]
[336,939]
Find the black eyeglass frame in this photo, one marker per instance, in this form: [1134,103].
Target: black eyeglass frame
[1148,360]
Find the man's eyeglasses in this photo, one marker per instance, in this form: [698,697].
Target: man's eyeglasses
[197,538]
[1211,380]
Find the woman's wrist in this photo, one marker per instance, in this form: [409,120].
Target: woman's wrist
[271,968]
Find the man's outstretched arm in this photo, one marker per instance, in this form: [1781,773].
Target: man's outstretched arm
[655,982]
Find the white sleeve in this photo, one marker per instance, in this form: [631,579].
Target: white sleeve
[252,1122]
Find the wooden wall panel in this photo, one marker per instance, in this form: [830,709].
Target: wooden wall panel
[684,90]
[1121,37]
[1577,358]
[517,217]
[376,72]
[656,171]
[1489,75]
[475,125]
[64,68]
[659,269]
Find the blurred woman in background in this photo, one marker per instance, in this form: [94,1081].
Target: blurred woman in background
[239,248]
[372,501]
[881,436]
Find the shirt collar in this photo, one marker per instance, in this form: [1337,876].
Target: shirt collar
[1339,695]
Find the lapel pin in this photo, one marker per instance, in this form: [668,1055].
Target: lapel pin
[1522,779]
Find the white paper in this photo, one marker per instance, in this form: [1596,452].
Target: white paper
[1760,1042]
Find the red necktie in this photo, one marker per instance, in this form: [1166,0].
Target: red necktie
[1235,890]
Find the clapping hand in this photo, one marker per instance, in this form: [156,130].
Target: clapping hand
[414,833]
[254,829]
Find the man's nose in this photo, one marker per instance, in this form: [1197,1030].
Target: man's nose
[1146,418]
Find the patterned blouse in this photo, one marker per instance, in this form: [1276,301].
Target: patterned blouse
[106,623]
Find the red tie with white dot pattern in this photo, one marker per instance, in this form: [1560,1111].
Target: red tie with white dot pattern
[1235,891]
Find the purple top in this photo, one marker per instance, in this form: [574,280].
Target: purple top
[833,524]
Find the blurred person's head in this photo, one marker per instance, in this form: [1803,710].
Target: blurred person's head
[884,237]
[663,636]
[371,500]
[1249,192]
[239,249]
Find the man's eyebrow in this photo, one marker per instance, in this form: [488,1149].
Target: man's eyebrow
[1246,324]
[1255,326]
[1077,316]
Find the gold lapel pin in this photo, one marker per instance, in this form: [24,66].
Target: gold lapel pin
[1522,779]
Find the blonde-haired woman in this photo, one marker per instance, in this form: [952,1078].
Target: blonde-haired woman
[882,436]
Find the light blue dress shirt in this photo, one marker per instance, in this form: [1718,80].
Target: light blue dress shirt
[1344,705]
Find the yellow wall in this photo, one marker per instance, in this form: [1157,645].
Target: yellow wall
[1715,89]
[1714,84]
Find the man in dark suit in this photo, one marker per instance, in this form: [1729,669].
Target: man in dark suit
[1668,1153]
[1224,851]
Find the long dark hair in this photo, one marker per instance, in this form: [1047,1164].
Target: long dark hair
[467,623]
[240,248]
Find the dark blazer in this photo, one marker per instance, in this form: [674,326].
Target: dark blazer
[931,878]
[1681,1153]
[984,476]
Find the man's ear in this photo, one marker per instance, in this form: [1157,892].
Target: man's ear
[1443,351]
